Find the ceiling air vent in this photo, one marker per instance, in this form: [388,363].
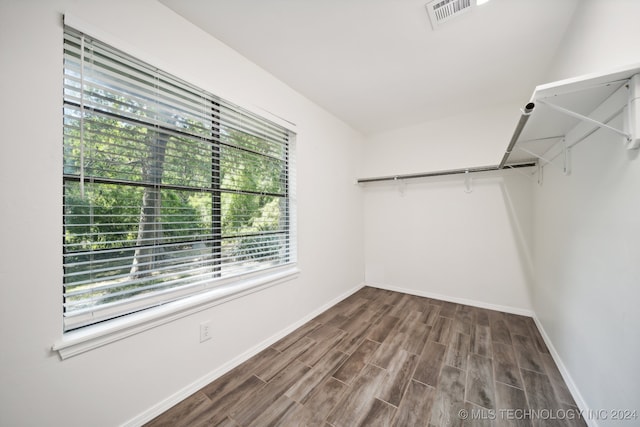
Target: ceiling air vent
[440,11]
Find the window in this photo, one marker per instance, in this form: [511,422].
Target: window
[169,191]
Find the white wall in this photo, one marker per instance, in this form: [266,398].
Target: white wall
[586,229]
[115,383]
[435,239]
[465,140]
[602,35]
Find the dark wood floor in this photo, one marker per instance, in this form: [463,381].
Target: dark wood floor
[383,358]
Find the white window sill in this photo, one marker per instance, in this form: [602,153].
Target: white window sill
[91,337]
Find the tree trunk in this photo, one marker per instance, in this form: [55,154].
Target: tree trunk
[149,225]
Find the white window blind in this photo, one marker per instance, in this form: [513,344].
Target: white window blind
[168,190]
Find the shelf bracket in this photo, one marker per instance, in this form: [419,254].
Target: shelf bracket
[467,182]
[402,185]
[633,112]
[539,157]
[540,173]
[530,176]
[585,118]
[566,160]
[566,151]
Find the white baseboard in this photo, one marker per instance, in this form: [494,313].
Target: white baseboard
[187,391]
[573,389]
[465,301]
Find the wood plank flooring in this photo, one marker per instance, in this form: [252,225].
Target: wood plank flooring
[382,358]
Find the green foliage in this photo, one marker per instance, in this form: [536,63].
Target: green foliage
[183,216]
[103,219]
[108,216]
[246,171]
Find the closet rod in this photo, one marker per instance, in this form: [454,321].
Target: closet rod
[445,172]
[528,109]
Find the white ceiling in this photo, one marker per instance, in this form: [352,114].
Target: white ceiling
[379,65]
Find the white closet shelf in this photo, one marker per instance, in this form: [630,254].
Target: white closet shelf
[560,115]
[566,112]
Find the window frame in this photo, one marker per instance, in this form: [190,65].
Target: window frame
[97,334]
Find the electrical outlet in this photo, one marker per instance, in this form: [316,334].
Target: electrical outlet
[205,331]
